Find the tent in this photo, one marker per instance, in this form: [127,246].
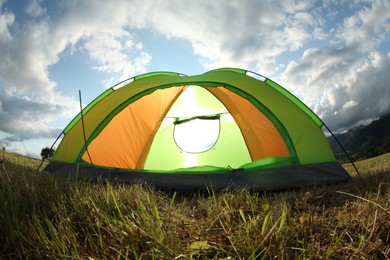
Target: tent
[226,128]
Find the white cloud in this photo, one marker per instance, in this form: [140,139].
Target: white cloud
[319,34]
[4,144]
[24,118]
[6,20]
[332,76]
[29,52]
[341,87]
[365,95]
[29,97]
[348,84]
[25,60]
[117,53]
[292,6]
[368,28]
[234,33]
[35,9]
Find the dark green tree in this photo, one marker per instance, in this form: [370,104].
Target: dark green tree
[47,153]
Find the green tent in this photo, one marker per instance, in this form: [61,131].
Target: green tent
[226,127]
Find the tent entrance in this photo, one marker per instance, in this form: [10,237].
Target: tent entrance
[198,130]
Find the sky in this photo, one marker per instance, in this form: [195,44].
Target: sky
[333,55]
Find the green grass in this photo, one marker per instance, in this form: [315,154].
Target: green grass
[46,216]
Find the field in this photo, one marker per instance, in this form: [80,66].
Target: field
[46,216]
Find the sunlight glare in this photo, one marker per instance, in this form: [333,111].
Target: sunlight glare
[197,136]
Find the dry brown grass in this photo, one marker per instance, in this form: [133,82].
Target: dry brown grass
[43,216]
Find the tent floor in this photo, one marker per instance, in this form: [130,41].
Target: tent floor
[261,180]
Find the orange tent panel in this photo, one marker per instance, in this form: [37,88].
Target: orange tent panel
[261,136]
[125,140]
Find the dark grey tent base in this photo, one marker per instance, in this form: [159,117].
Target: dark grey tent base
[262,180]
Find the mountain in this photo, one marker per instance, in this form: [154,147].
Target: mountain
[364,141]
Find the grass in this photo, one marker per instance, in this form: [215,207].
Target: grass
[45,216]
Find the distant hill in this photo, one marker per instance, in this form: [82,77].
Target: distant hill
[364,141]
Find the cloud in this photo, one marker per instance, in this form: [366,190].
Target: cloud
[368,28]
[332,77]
[324,59]
[117,53]
[29,97]
[364,96]
[29,100]
[38,45]
[101,29]
[231,33]
[4,144]
[35,9]
[6,20]
[346,81]
[24,118]
[341,86]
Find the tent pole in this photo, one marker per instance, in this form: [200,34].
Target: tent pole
[342,147]
[85,138]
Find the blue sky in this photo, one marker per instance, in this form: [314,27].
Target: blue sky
[334,55]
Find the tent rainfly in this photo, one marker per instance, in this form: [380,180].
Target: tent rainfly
[225,128]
